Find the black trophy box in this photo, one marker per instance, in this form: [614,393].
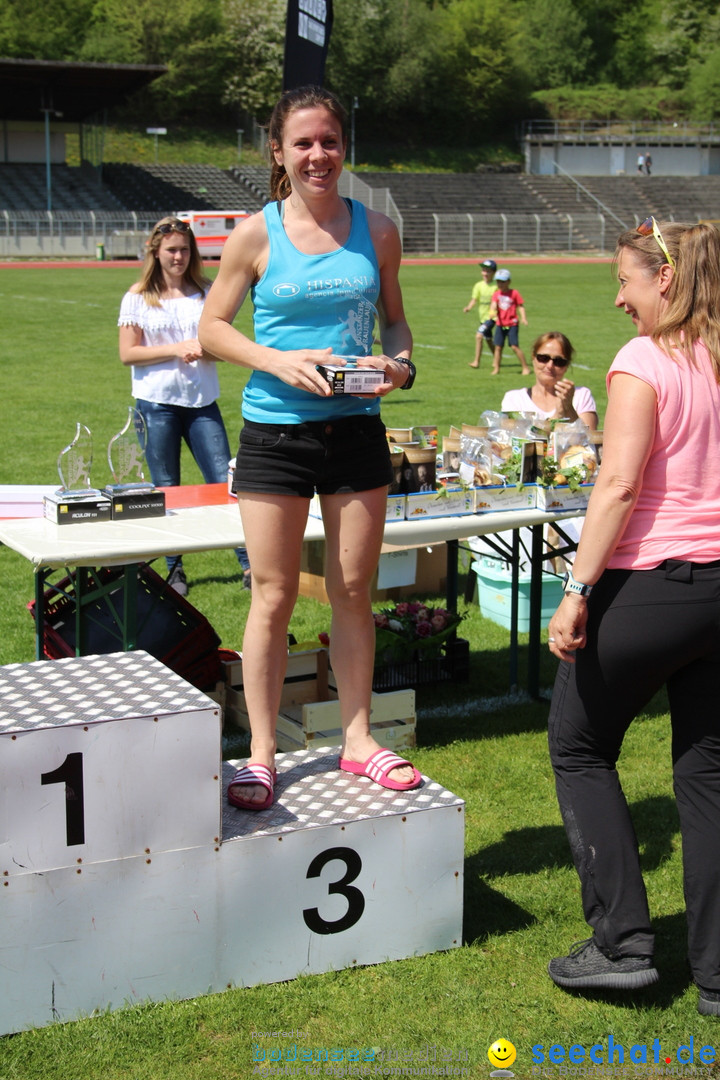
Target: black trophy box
[70,510]
[140,503]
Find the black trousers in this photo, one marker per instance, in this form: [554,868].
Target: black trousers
[646,629]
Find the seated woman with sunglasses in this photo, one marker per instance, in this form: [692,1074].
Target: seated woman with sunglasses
[553,396]
[175,385]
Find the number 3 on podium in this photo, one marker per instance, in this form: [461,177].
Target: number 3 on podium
[355,899]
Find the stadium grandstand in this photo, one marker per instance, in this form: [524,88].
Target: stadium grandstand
[48,208]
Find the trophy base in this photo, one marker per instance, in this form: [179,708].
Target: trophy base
[71,507]
[139,501]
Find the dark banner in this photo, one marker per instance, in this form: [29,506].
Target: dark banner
[307,34]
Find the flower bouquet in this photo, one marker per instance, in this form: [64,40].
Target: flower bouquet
[411,629]
[415,645]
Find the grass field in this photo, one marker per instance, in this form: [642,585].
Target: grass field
[59,365]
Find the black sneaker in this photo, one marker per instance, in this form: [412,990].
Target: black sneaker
[588,967]
[178,581]
[709,1002]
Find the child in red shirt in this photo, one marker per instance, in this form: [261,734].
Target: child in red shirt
[506,307]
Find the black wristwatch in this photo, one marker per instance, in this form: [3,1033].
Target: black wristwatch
[411,371]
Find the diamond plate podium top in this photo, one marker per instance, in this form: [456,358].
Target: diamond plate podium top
[311,792]
[92,689]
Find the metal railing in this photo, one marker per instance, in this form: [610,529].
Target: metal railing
[589,195]
[532,234]
[73,234]
[122,234]
[527,233]
[107,234]
[621,129]
[351,186]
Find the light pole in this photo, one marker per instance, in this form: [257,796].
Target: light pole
[352,131]
[156,132]
[48,110]
[240,132]
[48,178]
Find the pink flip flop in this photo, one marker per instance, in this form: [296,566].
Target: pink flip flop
[252,776]
[377,767]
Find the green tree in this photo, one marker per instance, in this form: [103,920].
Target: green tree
[484,85]
[185,35]
[704,88]
[431,70]
[601,19]
[255,33]
[422,70]
[674,37]
[658,41]
[556,44]
[34,30]
[385,53]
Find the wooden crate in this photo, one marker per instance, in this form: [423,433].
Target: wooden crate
[310,712]
[430,574]
[392,723]
[306,679]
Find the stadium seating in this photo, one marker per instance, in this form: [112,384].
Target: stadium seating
[629,198]
[256,179]
[435,208]
[166,188]
[24,187]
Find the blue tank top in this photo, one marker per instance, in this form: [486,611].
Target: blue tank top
[313,302]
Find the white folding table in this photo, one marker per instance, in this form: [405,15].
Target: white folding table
[185,529]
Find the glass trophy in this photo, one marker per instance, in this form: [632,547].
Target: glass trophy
[76,500]
[126,456]
[74,464]
[130,493]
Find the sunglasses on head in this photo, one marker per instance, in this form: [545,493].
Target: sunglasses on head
[173,226]
[649,226]
[545,358]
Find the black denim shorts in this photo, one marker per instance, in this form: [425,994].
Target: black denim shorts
[328,456]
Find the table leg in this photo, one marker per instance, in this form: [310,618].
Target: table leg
[40,576]
[121,604]
[536,570]
[451,587]
[514,604]
[130,593]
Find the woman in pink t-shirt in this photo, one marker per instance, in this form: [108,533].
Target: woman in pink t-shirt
[650,555]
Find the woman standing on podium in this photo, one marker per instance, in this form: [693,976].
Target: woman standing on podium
[175,385]
[315,265]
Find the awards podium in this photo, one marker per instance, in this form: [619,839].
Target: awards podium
[127,877]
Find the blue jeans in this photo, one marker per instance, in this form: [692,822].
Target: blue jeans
[204,433]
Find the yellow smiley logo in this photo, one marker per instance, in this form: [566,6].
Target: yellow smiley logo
[501,1054]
